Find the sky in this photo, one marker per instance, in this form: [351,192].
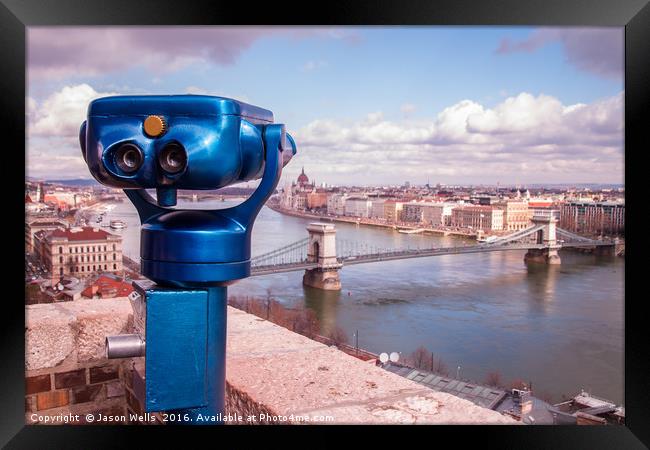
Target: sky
[365,105]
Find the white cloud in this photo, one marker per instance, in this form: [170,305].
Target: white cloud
[524,137]
[31,105]
[53,129]
[62,112]
[516,114]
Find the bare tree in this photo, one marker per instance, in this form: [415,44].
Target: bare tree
[421,358]
[302,321]
[338,336]
[518,383]
[307,323]
[267,302]
[493,379]
[440,367]
[277,313]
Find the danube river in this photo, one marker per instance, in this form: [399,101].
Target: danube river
[560,327]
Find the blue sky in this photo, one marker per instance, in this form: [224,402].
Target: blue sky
[359,98]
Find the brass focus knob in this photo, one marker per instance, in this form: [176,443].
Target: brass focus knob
[155,126]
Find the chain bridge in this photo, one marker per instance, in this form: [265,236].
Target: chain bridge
[321,255]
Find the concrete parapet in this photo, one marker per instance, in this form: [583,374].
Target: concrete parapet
[67,375]
[273,375]
[68,333]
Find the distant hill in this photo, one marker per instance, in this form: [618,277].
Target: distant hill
[596,186]
[230,190]
[75,182]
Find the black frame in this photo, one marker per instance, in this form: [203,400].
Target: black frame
[15,15]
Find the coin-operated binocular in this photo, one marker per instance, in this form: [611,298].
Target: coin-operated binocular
[184,142]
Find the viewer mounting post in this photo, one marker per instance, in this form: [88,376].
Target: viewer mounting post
[191,256]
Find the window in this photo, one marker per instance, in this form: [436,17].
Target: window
[104,257]
[94,268]
[114,257]
[60,249]
[88,268]
[104,248]
[87,249]
[70,249]
[76,259]
[61,271]
[114,247]
[114,266]
[61,259]
[93,249]
[82,268]
[105,267]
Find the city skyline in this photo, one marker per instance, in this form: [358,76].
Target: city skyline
[367,105]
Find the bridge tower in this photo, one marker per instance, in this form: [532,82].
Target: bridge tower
[322,250]
[547,237]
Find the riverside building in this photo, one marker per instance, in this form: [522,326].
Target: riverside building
[515,215]
[590,217]
[358,207]
[79,252]
[336,204]
[484,218]
[35,225]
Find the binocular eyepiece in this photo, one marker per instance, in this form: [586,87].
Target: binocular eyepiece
[176,141]
[172,159]
[129,158]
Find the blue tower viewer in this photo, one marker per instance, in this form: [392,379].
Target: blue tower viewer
[184,142]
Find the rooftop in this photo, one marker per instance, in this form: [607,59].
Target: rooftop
[38,223]
[107,287]
[485,396]
[81,234]
[477,208]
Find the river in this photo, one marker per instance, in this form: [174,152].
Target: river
[560,327]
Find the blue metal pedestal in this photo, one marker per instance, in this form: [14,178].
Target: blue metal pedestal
[185,371]
[215,368]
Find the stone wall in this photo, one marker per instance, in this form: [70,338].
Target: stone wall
[67,375]
[273,375]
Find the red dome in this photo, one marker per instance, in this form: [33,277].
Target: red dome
[302,178]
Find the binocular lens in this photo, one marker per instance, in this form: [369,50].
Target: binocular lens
[128,158]
[173,158]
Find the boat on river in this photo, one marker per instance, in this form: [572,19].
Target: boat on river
[411,231]
[117,224]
